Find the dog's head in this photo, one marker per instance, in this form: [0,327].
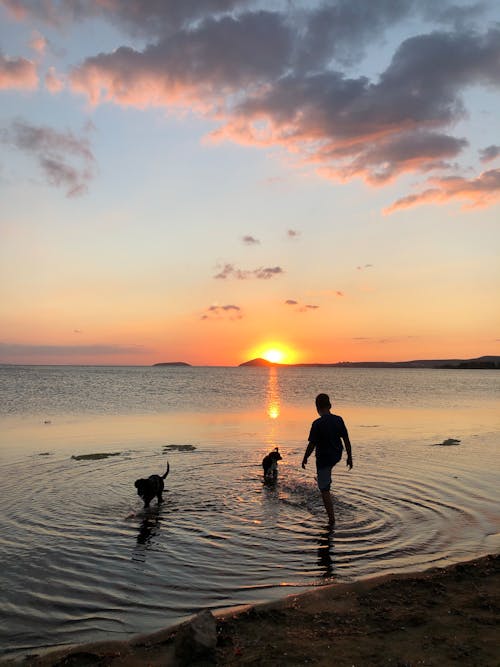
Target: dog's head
[141,485]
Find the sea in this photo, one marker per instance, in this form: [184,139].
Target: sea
[82,560]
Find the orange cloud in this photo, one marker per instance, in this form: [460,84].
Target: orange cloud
[17,73]
[481,191]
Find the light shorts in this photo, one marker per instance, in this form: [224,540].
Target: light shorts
[324,478]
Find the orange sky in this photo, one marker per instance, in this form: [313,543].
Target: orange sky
[306,182]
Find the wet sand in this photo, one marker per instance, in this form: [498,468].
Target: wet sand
[443,616]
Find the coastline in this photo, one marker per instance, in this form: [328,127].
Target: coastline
[439,616]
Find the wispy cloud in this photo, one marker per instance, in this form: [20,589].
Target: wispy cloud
[292,233]
[228,312]
[489,153]
[250,240]
[17,73]
[65,160]
[362,267]
[54,82]
[301,308]
[262,273]
[38,42]
[476,192]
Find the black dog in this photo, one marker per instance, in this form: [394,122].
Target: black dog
[153,486]
[270,464]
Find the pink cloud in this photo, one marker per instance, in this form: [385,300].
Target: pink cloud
[279,78]
[346,127]
[477,192]
[53,81]
[17,73]
[38,42]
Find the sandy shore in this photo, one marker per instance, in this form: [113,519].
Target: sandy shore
[445,616]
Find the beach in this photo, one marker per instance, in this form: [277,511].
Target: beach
[443,616]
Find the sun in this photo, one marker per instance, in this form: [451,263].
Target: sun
[274,355]
[274,351]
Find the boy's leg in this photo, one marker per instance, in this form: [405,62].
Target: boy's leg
[324,483]
[328,503]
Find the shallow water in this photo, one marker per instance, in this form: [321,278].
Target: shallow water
[75,568]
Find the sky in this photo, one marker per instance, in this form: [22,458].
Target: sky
[207,180]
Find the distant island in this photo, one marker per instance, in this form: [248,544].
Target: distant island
[486,362]
[261,362]
[172,363]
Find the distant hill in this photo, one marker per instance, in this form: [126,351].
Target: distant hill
[485,362]
[260,362]
[172,363]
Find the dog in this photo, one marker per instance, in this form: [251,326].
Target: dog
[270,464]
[153,486]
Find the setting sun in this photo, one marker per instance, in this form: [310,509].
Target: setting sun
[275,352]
[274,355]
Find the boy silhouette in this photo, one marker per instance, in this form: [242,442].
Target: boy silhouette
[326,436]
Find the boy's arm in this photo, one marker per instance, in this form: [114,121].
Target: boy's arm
[308,452]
[347,444]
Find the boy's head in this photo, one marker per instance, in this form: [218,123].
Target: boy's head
[323,402]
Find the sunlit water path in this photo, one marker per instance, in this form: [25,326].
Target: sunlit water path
[82,561]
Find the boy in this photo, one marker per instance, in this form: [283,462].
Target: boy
[326,436]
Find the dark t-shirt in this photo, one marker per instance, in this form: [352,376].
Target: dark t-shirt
[326,433]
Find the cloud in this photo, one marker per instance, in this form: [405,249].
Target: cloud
[283,77]
[53,81]
[38,42]
[250,240]
[228,312]
[53,151]
[292,233]
[137,17]
[377,130]
[262,273]
[477,192]
[200,67]
[389,158]
[363,267]
[301,308]
[17,73]
[489,153]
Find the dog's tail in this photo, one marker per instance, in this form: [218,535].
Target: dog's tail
[168,470]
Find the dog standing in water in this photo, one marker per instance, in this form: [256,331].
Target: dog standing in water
[270,464]
[153,486]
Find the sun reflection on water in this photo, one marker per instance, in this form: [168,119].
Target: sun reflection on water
[273,395]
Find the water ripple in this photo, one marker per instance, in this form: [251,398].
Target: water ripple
[75,568]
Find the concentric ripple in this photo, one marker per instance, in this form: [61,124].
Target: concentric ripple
[82,560]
